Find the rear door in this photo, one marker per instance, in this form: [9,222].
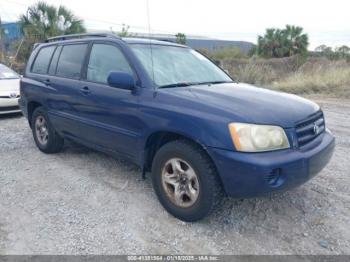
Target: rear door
[64,75]
[35,85]
[110,115]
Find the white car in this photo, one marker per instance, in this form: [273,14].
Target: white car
[9,90]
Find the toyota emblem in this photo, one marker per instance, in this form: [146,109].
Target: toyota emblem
[13,95]
[316,129]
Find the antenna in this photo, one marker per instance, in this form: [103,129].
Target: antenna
[150,41]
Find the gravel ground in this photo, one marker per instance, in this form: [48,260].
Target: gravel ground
[84,202]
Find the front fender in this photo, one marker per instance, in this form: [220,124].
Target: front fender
[211,132]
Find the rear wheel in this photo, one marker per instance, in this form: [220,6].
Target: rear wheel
[185,180]
[45,137]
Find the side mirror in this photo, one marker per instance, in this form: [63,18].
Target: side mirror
[121,80]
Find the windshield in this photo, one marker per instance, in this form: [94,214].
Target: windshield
[178,66]
[7,73]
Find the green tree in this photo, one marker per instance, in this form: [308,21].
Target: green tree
[343,51]
[180,38]
[124,32]
[282,42]
[323,49]
[43,20]
[297,41]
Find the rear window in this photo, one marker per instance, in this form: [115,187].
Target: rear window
[54,60]
[71,61]
[42,60]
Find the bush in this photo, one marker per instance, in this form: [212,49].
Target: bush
[227,53]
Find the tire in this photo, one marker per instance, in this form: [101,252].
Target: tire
[45,136]
[196,197]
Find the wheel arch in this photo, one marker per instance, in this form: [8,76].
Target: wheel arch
[159,138]
[30,109]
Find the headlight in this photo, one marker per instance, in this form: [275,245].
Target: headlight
[257,138]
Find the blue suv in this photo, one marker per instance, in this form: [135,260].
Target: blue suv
[174,113]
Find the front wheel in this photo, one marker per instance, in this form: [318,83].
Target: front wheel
[45,136]
[185,180]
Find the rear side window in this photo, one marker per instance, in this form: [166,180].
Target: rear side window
[54,60]
[105,59]
[71,61]
[42,60]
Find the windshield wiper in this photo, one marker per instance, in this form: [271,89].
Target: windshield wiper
[177,85]
[213,82]
[183,84]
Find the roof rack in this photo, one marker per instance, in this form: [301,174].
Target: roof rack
[78,36]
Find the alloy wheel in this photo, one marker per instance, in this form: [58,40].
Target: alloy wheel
[41,130]
[180,182]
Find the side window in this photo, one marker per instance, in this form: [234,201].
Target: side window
[71,61]
[104,59]
[53,64]
[42,60]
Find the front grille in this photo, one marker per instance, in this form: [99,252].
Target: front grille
[8,108]
[310,128]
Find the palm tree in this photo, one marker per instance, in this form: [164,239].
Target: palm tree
[180,38]
[282,42]
[321,48]
[343,51]
[298,41]
[42,21]
[266,43]
[124,32]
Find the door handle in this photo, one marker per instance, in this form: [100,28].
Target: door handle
[85,90]
[47,82]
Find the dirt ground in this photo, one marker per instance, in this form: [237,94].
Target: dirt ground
[84,202]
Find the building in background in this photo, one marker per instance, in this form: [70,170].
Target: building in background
[196,42]
[11,33]
[201,42]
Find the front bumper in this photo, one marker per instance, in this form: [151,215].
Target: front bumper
[9,105]
[254,174]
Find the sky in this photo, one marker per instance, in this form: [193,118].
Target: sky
[325,21]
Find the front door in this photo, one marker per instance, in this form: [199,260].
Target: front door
[109,115]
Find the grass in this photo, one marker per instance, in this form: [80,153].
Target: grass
[313,76]
[257,74]
[332,81]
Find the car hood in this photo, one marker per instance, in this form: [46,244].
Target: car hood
[8,86]
[251,104]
